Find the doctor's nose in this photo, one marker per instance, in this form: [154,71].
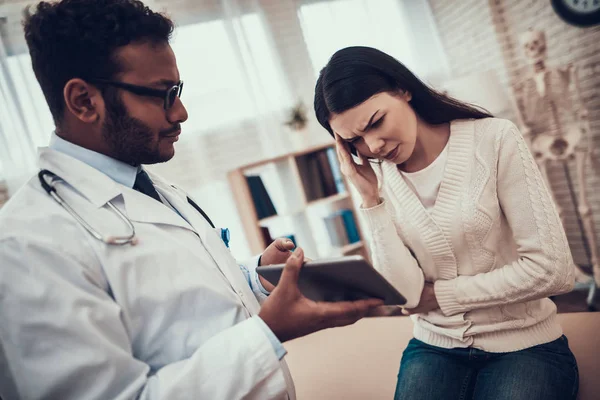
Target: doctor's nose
[177,113]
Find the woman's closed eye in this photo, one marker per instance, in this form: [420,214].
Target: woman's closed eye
[373,125]
[377,123]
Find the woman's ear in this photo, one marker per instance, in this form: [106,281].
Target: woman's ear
[407,95]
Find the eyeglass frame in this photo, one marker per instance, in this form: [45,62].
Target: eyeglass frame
[144,91]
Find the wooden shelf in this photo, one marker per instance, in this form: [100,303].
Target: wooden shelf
[286,177]
[277,216]
[352,247]
[282,157]
[329,199]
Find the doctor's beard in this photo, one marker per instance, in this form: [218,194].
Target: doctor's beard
[130,140]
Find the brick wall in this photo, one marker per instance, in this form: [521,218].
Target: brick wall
[480,35]
[466,31]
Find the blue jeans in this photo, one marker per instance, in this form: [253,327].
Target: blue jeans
[548,372]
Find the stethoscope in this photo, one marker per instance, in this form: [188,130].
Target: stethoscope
[48,180]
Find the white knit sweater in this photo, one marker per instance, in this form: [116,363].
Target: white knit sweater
[493,243]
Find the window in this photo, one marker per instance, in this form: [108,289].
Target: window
[230,72]
[233,83]
[25,122]
[31,99]
[331,25]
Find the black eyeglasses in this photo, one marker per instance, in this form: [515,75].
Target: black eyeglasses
[169,95]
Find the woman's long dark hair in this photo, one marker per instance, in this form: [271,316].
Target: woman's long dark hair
[355,74]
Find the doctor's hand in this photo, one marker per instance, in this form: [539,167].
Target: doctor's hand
[291,315]
[276,253]
[361,175]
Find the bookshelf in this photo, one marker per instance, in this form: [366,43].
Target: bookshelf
[301,194]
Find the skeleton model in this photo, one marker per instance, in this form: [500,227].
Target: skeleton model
[555,122]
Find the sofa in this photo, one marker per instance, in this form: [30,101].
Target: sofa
[361,361]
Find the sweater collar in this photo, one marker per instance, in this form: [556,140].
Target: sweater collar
[435,226]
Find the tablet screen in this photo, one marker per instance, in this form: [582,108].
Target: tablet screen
[339,279]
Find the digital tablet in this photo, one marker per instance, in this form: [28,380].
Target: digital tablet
[339,279]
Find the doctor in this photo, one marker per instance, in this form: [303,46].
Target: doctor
[169,316]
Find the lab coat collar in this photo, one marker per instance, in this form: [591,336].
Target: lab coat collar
[99,189]
[95,186]
[118,171]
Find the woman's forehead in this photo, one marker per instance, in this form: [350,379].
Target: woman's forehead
[349,122]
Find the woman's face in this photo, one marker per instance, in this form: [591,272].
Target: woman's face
[384,127]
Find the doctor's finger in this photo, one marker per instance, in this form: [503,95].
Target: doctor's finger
[284,244]
[345,321]
[349,309]
[291,271]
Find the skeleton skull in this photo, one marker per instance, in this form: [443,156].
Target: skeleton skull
[534,46]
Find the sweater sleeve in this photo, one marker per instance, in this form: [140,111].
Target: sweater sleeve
[544,266]
[391,257]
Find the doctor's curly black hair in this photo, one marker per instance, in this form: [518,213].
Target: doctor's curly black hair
[78,38]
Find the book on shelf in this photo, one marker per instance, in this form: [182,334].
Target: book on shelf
[260,197]
[336,230]
[321,176]
[341,228]
[266,235]
[313,180]
[350,224]
[327,180]
[335,170]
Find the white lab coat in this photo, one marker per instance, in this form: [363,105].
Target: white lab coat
[169,318]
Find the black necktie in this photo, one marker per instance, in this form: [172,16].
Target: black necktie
[143,184]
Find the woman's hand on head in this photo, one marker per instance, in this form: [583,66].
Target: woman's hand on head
[361,175]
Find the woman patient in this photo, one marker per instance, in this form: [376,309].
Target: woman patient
[461,224]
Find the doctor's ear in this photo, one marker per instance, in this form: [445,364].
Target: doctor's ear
[83,100]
